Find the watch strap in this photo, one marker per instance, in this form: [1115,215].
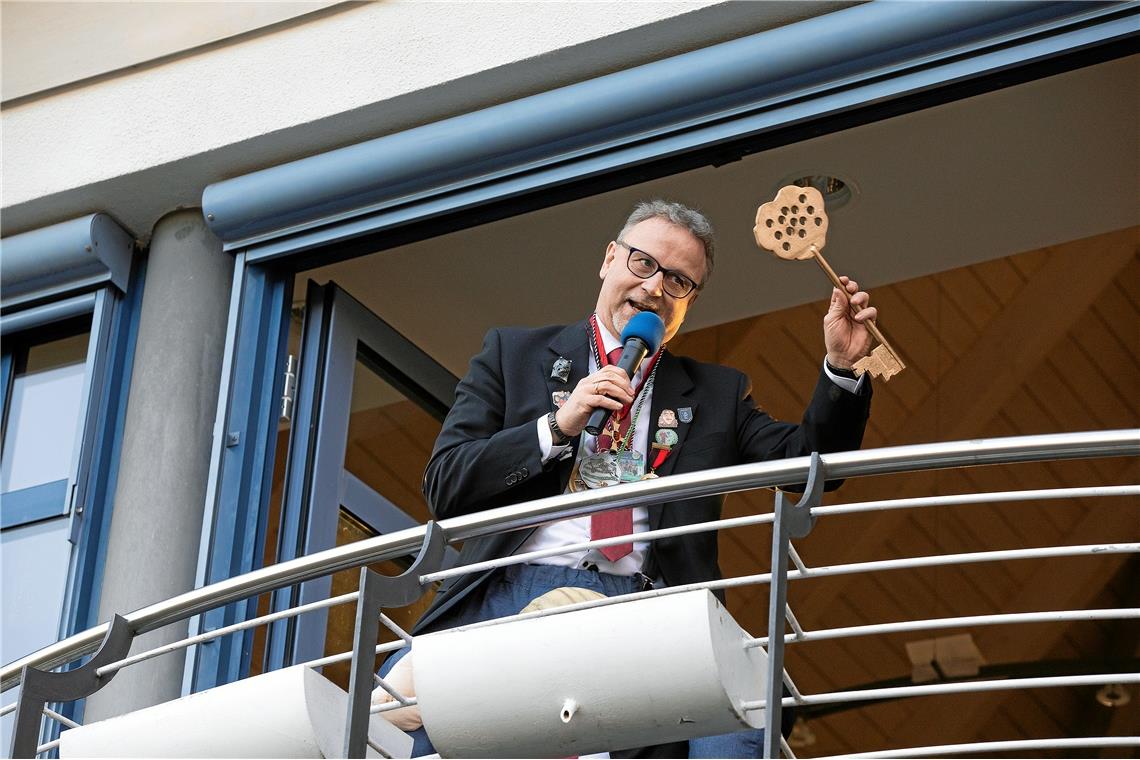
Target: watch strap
[559,438]
[848,373]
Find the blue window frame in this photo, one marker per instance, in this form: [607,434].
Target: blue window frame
[344,343]
[71,298]
[337,330]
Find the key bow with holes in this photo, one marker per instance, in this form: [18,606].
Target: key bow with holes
[793,226]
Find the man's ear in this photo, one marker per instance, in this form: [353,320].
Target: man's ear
[608,260]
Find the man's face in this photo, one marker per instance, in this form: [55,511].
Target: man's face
[623,294]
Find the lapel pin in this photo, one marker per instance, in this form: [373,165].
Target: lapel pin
[667,419]
[559,398]
[666,437]
[685,413]
[561,370]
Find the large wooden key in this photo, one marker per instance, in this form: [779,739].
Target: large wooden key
[794,227]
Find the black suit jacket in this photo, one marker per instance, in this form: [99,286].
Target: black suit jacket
[488,454]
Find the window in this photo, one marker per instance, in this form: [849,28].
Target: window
[41,424]
[69,307]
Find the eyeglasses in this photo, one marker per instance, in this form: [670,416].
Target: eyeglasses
[645,266]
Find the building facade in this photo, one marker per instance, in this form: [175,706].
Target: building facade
[247,250]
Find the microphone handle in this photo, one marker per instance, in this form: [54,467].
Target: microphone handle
[633,354]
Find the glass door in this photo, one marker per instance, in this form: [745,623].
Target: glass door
[369,405]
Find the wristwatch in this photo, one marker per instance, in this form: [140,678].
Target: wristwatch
[560,438]
[848,373]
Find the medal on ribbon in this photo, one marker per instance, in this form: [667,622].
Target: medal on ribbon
[600,470]
[616,461]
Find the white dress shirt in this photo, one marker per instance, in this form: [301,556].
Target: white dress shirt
[577,529]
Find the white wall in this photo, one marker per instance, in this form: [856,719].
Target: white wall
[47,45]
[145,141]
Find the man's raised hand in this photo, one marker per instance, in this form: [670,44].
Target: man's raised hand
[608,388]
[845,334]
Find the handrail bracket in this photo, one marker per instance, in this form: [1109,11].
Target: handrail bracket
[791,521]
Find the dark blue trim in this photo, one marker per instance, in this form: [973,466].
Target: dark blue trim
[237,536]
[6,362]
[295,508]
[96,497]
[96,490]
[33,503]
[98,364]
[578,129]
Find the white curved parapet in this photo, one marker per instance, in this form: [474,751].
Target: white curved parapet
[294,712]
[638,673]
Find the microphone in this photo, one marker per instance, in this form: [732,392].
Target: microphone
[641,337]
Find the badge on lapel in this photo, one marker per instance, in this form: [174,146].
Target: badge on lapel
[685,413]
[559,398]
[668,418]
[561,370]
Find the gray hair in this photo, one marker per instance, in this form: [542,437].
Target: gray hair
[682,216]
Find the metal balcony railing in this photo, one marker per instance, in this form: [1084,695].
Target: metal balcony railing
[789,520]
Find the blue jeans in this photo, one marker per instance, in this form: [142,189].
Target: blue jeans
[512,588]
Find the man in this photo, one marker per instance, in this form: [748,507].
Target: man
[516,433]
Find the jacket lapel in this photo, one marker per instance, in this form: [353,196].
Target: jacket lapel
[672,390]
[573,344]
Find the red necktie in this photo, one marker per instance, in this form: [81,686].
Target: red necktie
[616,522]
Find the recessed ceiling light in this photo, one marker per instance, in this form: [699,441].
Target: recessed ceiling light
[1113,695]
[836,192]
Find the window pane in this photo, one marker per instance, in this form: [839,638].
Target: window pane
[33,576]
[34,563]
[389,442]
[341,630]
[44,414]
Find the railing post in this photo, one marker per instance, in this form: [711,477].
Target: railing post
[38,687]
[791,521]
[378,591]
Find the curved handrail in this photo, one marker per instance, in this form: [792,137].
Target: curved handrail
[841,465]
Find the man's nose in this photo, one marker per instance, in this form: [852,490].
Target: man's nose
[652,284]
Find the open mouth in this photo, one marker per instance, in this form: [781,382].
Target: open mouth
[641,306]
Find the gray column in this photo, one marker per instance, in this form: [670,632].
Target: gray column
[156,521]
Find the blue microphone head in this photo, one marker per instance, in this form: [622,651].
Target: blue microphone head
[647,327]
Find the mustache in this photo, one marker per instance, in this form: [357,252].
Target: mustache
[642,305]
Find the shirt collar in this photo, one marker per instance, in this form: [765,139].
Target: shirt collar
[608,340]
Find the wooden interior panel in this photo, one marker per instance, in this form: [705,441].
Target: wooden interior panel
[1083,376]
